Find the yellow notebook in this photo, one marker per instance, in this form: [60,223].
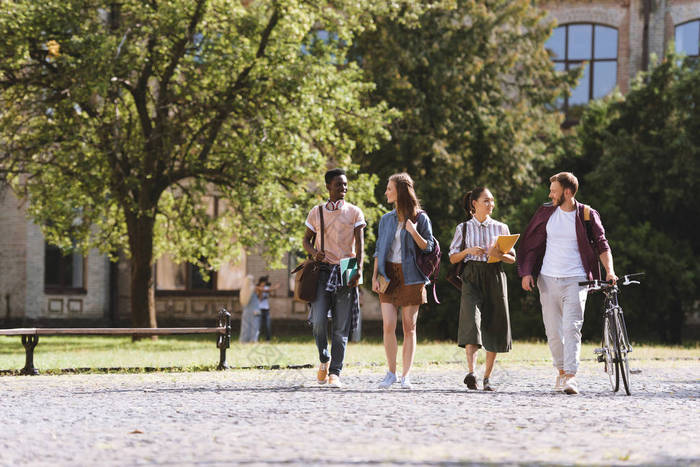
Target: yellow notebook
[505,243]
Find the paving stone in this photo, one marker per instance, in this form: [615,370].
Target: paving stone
[263,417]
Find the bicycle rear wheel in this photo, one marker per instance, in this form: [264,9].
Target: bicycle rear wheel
[623,348]
[608,344]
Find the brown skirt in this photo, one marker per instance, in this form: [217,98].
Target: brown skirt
[400,294]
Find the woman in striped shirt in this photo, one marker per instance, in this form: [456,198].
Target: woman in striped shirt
[483,315]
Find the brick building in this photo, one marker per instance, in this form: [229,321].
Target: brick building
[615,38]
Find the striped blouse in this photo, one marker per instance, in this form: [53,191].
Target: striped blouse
[478,234]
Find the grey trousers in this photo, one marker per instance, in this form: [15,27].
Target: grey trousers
[563,303]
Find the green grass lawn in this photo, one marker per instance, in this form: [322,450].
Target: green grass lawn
[200,353]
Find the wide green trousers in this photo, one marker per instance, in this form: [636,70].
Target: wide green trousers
[484,319]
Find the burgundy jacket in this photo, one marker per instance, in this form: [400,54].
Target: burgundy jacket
[533,242]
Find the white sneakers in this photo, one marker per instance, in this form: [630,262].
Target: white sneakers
[559,383]
[388,380]
[571,386]
[566,384]
[334,381]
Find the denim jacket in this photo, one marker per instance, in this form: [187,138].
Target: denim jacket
[387,229]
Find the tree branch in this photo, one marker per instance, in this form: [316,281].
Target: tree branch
[227,103]
[139,91]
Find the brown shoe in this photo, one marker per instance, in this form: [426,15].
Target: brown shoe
[470,381]
[322,375]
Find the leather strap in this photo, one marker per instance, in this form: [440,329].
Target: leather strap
[320,213]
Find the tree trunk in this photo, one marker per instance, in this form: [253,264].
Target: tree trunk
[143,303]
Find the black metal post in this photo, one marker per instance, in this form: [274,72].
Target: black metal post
[223,341]
[29,341]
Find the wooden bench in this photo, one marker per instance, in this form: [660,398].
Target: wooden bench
[30,337]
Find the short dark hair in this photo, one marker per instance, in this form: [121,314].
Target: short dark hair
[264,279]
[331,174]
[566,180]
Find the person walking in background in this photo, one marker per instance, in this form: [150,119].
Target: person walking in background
[557,247]
[403,233]
[250,318]
[343,231]
[263,291]
[484,318]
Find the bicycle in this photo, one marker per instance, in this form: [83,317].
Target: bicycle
[615,345]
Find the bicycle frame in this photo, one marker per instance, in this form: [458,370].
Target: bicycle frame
[613,310]
[615,343]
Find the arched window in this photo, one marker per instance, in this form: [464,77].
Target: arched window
[688,38]
[595,45]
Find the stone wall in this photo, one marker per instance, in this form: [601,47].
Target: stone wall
[13,257]
[22,277]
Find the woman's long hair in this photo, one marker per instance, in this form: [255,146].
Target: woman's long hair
[407,204]
[469,198]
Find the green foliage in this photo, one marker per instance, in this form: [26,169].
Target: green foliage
[475,86]
[644,158]
[637,160]
[117,121]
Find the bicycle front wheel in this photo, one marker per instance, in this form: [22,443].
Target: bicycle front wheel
[621,332]
[609,353]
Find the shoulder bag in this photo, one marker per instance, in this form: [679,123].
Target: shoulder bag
[429,263]
[589,235]
[454,276]
[306,278]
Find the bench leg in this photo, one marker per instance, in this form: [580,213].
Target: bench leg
[29,342]
[223,341]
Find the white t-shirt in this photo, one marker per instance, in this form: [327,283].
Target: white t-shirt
[562,257]
[264,303]
[395,251]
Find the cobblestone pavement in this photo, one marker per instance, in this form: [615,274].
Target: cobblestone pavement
[267,417]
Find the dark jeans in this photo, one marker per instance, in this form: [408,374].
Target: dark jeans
[339,303]
[266,323]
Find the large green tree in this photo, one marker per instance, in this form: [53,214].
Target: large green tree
[475,86]
[117,118]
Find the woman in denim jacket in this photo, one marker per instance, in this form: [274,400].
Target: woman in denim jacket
[403,233]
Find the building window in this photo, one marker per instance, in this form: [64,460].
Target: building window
[592,46]
[63,273]
[688,38]
[186,279]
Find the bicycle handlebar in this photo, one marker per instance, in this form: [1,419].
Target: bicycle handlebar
[598,284]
